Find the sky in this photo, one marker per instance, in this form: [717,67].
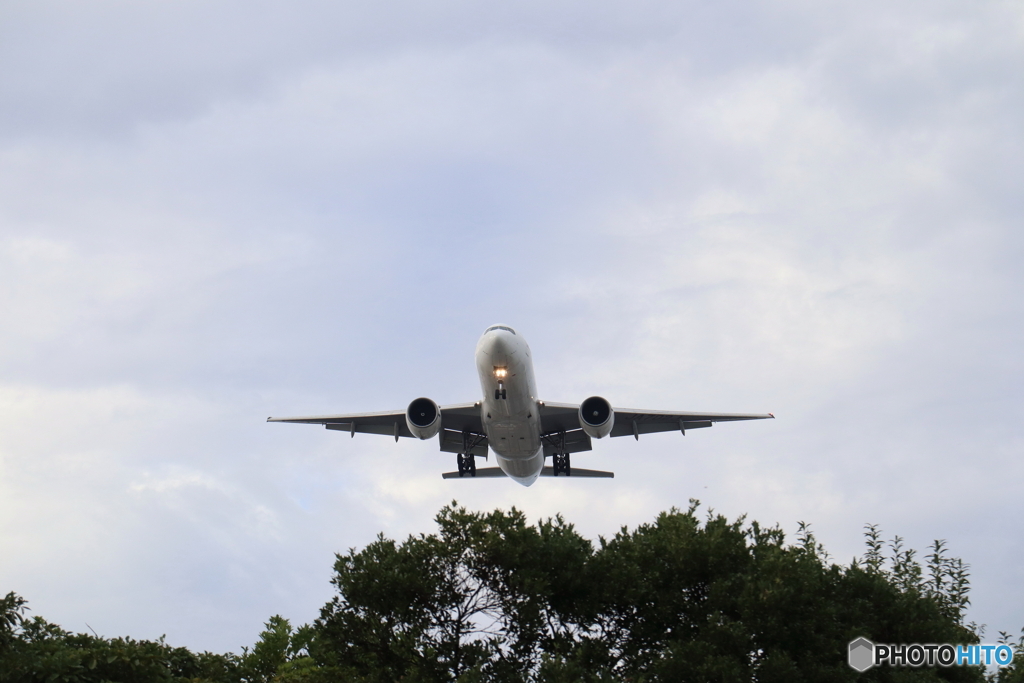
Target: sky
[213,212]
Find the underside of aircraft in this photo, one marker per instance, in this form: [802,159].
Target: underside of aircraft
[521,430]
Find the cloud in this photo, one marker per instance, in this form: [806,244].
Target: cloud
[211,214]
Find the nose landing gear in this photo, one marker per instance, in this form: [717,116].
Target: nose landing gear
[499,393]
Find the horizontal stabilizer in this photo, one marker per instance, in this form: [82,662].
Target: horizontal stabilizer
[579,472]
[481,473]
[490,472]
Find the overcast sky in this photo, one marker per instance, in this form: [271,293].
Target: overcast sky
[212,212]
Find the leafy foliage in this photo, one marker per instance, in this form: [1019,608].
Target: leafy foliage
[493,598]
[490,597]
[36,650]
[1015,672]
[279,650]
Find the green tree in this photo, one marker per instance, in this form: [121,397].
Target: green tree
[280,654]
[36,651]
[721,601]
[1015,672]
[479,599]
[490,597]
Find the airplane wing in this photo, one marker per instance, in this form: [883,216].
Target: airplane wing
[464,417]
[555,417]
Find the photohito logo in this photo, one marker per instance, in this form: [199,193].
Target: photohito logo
[863,654]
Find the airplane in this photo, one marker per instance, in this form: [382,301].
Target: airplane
[522,430]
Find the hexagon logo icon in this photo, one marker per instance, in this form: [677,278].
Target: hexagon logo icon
[862,654]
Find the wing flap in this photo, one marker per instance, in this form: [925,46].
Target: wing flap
[558,417]
[382,428]
[456,442]
[576,441]
[636,422]
[464,417]
[625,428]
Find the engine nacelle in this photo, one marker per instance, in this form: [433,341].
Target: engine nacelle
[423,417]
[597,417]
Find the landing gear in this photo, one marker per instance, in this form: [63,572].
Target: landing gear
[499,393]
[560,458]
[467,464]
[466,459]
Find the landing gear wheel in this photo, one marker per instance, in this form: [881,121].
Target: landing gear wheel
[503,394]
[467,464]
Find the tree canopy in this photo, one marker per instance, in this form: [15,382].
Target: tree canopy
[492,597]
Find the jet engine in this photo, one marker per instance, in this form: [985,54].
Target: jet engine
[596,417]
[423,417]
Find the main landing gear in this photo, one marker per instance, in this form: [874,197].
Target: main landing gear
[560,458]
[466,459]
[467,464]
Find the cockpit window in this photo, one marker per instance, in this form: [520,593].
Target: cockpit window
[499,327]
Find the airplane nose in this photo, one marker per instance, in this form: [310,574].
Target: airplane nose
[500,344]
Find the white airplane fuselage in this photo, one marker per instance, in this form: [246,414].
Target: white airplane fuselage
[509,411]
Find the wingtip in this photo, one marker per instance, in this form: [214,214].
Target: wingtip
[771,415]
